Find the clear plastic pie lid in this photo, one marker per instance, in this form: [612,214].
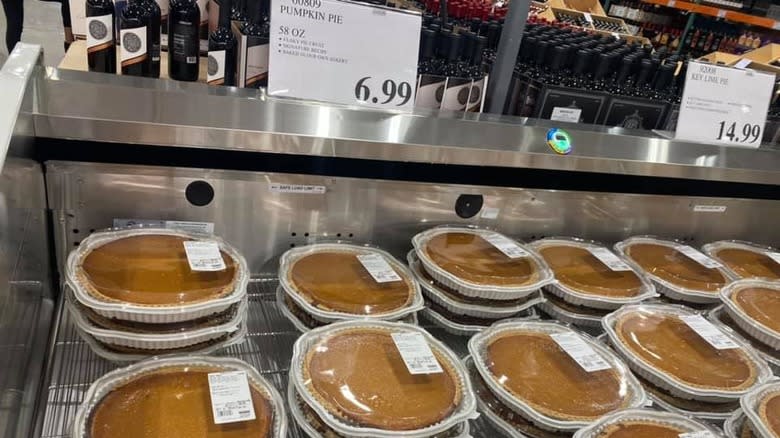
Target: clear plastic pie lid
[719,316]
[534,354]
[593,275]
[761,261]
[755,306]
[646,419]
[681,270]
[480,262]
[734,424]
[162,287]
[762,407]
[157,366]
[341,281]
[379,397]
[690,366]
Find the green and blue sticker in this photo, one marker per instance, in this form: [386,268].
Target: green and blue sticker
[559,141]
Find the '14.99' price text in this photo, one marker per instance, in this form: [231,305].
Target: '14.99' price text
[390,91]
[749,133]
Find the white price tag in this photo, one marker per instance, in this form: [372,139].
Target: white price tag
[698,257]
[196,227]
[721,13]
[709,208]
[724,105]
[616,35]
[606,256]
[296,188]
[774,256]
[709,332]
[231,400]
[743,63]
[204,256]
[671,3]
[506,245]
[580,351]
[377,266]
[697,434]
[564,114]
[344,52]
[776,26]
[416,353]
[588,18]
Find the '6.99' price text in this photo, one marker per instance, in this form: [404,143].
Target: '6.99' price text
[749,133]
[390,89]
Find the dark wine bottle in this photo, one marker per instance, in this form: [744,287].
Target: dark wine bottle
[134,56]
[153,27]
[222,50]
[257,32]
[101,44]
[425,65]
[183,40]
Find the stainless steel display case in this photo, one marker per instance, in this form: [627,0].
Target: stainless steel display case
[117,148]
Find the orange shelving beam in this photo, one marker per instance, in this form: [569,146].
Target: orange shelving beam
[712,11]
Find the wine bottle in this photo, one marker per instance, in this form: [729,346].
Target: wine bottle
[134,56]
[153,26]
[222,50]
[101,44]
[183,40]
[257,32]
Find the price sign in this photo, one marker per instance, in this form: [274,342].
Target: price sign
[344,52]
[724,105]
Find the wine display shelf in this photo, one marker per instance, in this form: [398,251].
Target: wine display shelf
[738,17]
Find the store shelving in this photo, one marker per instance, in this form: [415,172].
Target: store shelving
[735,16]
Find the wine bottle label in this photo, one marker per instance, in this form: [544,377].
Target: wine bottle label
[204,12]
[216,68]
[477,95]
[133,45]
[430,91]
[256,64]
[184,45]
[100,32]
[456,94]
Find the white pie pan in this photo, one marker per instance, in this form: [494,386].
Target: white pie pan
[564,315]
[711,249]
[750,403]
[435,294]
[114,379]
[579,298]
[478,345]
[755,329]
[712,417]
[471,289]
[716,316]
[465,410]
[289,258]
[149,313]
[688,424]
[662,286]
[668,382]
[458,329]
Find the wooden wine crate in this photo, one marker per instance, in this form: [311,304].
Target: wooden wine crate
[729,60]
[589,6]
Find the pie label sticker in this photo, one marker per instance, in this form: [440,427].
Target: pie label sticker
[580,351]
[606,256]
[774,256]
[509,247]
[709,332]
[377,266]
[697,434]
[698,257]
[416,353]
[231,400]
[204,256]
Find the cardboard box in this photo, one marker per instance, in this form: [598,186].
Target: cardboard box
[590,6]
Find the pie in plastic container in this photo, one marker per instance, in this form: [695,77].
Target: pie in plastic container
[746,259]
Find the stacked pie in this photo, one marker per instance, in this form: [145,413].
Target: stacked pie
[771,355]
[754,305]
[171,397]
[762,408]
[590,281]
[745,259]
[138,292]
[681,355]
[645,423]
[324,283]
[351,379]
[679,271]
[538,384]
[472,277]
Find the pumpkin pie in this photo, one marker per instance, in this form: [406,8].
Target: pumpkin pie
[641,429]
[578,270]
[769,411]
[333,279]
[670,265]
[472,259]
[760,304]
[574,309]
[533,368]
[358,375]
[746,262]
[688,405]
[768,353]
[151,270]
[665,343]
[173,402]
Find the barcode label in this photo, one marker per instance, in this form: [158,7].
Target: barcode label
[606,256]
[698,257]
[588,18]
[709,332]
[377,266]
[697,434]
[509,247]
[774,256]
[204,256]
[416,353]
[231,400]
[580,351]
